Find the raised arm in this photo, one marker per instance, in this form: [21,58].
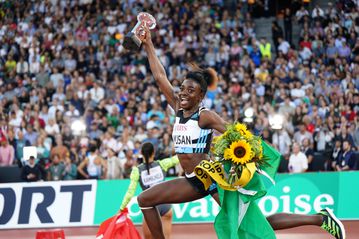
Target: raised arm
[159,72]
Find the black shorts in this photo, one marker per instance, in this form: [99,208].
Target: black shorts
[163,209]
[199,187]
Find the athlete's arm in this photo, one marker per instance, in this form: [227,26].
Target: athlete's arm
[81,167]
[211,120]
[134,177]
[168,163]
[159,72]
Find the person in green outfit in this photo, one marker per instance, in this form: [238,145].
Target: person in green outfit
[192,137]
[148,174]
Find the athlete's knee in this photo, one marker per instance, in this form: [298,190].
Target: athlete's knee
[144,200]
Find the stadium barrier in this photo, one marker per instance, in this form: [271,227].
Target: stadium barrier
[89,202]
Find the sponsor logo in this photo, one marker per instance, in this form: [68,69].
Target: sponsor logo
[47,204]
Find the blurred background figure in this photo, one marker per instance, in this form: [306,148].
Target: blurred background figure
[31,172]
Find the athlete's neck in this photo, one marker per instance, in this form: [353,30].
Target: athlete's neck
[187,113]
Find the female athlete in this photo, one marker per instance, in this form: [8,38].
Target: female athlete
[192,135]
[148,174]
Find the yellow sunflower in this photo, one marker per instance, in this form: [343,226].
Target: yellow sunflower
[239,152]
[242,128]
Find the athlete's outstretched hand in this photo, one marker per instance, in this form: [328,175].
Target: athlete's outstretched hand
[147,41]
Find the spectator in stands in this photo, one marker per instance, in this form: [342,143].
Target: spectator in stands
[31,135]
[70,168]
[60,150]
[287,20]
[7,153]
[277,33]
[301,134]
[283,46]
[20,143]
[31,171]
[346,159]
[301,14]
[56,170]
[308,151]
[114,165]
[298,162]
[130,161]
[282,142]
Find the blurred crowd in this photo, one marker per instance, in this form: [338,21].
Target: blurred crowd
[62,61]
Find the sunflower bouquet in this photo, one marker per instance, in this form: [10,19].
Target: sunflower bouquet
[240,152]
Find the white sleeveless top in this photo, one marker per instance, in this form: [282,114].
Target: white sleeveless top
[188,137]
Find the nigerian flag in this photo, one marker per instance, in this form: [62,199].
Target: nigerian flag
[240,217]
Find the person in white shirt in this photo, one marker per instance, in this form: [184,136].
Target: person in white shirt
[22,67]
[317,12]
[59,94]
[302,133]
[301,13]
[281,141]
[283,46]
[14,120]
[55,106]
[72,112]
[97,92]
[298,162]
[34,66]
[56,77]
[52,128]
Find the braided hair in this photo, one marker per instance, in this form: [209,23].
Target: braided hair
[147,151]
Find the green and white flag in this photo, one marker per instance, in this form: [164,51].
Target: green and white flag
[240,217]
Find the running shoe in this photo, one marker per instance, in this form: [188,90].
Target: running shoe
[332,224]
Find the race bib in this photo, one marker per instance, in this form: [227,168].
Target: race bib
[156,176]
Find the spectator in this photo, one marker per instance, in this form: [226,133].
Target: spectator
[114,165]
[298,162]
[31,171]
[56,170]
[301,14]
[277,33]
[265,48]
[31,135]
[281,141]
[301,134]
[309,153]
[7,154]
[130,161]
[20,143]
[52,128]
[346,159]
[70,169]
[318,13]
[283,46]
[287,19]
[97,93]
[59,150]
[22,67]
